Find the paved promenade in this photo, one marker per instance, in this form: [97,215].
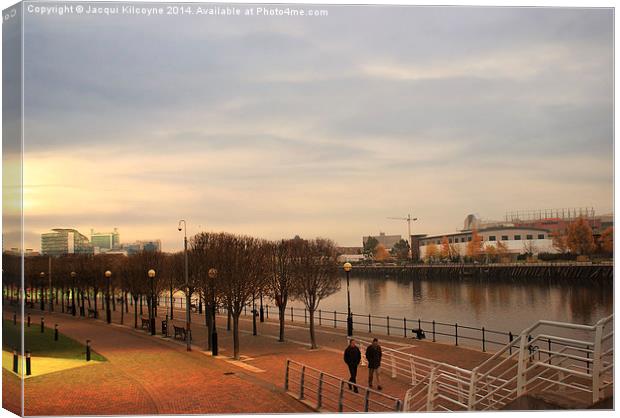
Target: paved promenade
[149,375]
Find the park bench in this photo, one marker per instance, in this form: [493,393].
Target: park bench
[419,333]
[180,332]
[145,323]
[193,307]
[91,313]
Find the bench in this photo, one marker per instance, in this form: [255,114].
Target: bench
[193,307]
[146,324]
[180,332]
[91,313]
[419,333]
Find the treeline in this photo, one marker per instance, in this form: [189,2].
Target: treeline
[227,271]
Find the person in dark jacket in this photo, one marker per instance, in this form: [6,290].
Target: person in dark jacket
[352,356]
[373,356]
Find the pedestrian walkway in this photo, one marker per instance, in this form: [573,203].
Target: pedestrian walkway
[147,375]
[263,357]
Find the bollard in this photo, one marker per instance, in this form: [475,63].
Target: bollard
[28,369]
[434,330]
[15,318]
[405,327]
[483,342]
[28,320]
[42,325]
[55,332]
[87,350]
[15,362]
[388,325]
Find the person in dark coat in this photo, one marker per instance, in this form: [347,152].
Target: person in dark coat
[352,356]
[373,356]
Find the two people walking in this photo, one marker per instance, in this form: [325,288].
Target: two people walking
[353,357]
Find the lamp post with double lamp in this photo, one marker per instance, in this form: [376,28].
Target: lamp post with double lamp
[151,275]
[213,277]
[347,268]
[108,313]
[187,295]
[73,275]
[42,276]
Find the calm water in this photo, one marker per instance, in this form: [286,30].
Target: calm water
[501,306]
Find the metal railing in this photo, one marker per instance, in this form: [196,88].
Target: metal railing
[457,334]
[579,368]
[326,392]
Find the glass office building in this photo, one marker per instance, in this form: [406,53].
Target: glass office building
[65,241]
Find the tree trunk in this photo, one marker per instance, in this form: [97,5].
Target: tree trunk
[135,313]
[95,298]
[281,315]
[122,306]
[113,300]
[141,312]
[312,335]
[125,303]
[236,335]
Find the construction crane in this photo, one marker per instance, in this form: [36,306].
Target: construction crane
[408,219]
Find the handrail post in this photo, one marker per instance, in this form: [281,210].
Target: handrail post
[473,383]
[288,362]
[522,364]
[398,406]
[597,362]
[366,396]
[393,365]
[301,382]
[340,396]
[431,390]
[319,396]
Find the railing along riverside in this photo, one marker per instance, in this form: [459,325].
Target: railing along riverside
[327,392]
[480,337]
[530,368]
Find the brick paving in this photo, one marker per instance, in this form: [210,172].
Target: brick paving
[151,375]
[146,375]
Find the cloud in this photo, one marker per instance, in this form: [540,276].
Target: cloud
[277,127]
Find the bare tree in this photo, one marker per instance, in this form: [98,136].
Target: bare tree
[316,269]
[280,283]
[242,271]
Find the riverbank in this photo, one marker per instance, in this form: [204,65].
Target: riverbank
[558,272]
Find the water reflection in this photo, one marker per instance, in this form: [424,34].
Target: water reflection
[503,306]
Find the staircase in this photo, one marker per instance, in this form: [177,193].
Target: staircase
[545,361]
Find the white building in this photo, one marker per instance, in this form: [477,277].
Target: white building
[516,239]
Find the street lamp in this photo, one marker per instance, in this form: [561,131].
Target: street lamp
[151,274]
[347,268]
[108,313]
[187,295]
[73,275]
[42,276]
[212,277]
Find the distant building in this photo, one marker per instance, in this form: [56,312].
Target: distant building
[516,240]
[105,241]
[387,241]
[65,241]
[142,245]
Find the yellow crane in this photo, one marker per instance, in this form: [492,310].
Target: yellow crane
[408,219]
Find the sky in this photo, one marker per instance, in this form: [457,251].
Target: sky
[323,126]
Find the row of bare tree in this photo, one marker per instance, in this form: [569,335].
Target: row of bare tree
[245,267]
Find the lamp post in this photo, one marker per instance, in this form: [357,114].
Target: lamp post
[73,275]
[42,275]
[347,268]
[187,295]
[213,277]
[151,275]
[108,313]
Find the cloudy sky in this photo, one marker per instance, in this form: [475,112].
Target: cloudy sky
[315,126]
